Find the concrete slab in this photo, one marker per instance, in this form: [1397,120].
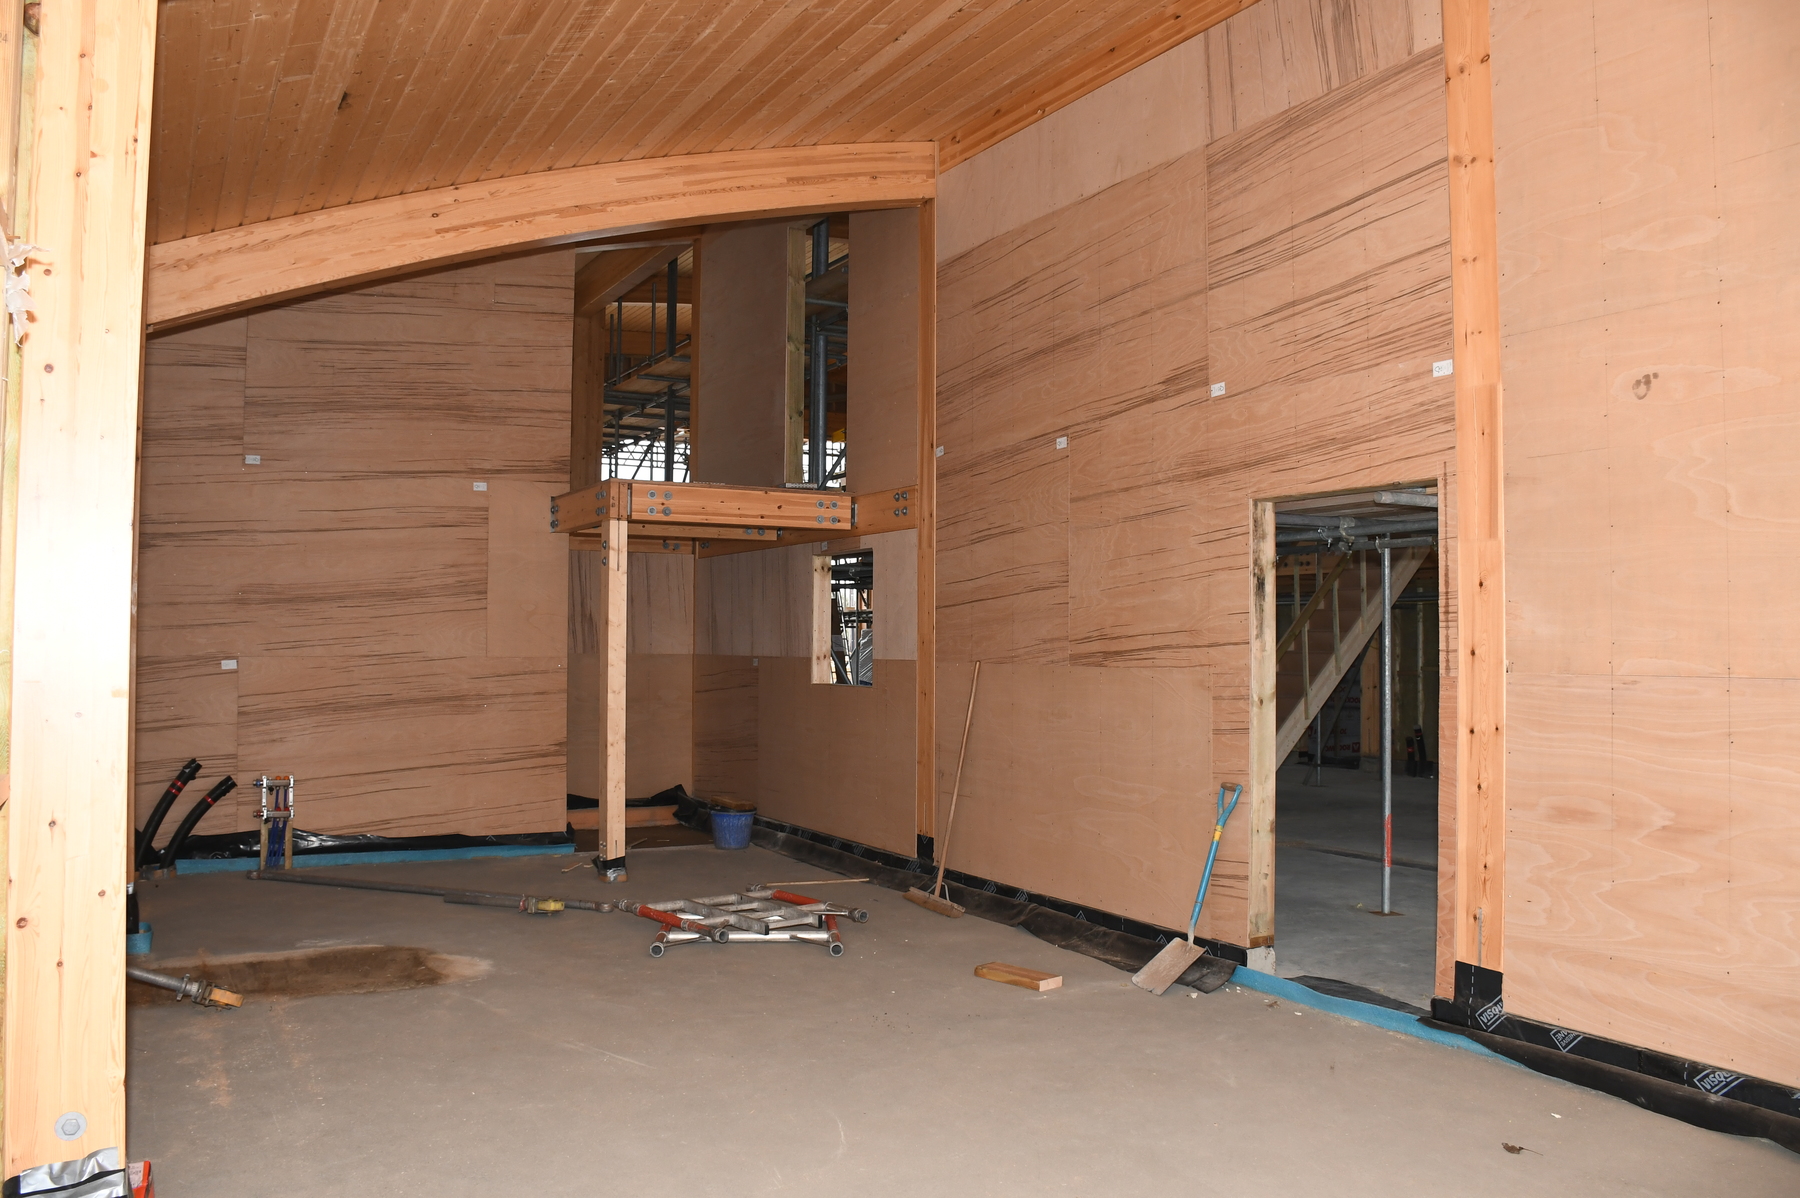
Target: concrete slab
[1324,899]
[579,1065]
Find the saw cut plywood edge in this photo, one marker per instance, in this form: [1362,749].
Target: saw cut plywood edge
[252,265]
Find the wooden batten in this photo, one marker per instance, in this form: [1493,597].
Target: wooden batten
[70,821]
[1479,903]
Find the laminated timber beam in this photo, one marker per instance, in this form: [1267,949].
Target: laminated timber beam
[1475,894]
[83,199]
[691,509]
[257,264]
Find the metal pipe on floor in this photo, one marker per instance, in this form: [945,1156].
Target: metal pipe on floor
[530,904]
[200,991]
[1387,729]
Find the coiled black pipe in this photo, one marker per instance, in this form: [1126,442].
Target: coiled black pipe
[153,825]
[220,789]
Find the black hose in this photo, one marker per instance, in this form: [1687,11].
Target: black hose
[220,789]
[153,825]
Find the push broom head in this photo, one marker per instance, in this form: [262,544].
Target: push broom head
[932,902]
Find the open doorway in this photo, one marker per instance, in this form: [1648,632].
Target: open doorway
[1354,664]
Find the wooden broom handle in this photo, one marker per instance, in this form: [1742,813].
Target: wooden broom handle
[956,788]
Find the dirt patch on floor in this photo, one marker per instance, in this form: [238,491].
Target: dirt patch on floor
[309,972]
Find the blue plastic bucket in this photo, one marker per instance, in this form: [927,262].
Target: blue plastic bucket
[731,829]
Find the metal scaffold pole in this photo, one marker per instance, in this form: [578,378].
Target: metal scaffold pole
[1387,729]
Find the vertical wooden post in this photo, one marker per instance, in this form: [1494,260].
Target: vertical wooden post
[615,587]
[821,617]
[1479,937]
[1262,731]
[70,826]
[926,507]
[794,432]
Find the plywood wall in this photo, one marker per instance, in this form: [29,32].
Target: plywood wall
[835,758]
[399,637]
[659,674]
[1301,259]
[1649,153]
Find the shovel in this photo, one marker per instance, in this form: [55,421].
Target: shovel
[1177,955]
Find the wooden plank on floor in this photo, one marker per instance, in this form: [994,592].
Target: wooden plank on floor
[1018,975]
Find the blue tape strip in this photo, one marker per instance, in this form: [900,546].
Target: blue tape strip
[1363,1012]
[228,865]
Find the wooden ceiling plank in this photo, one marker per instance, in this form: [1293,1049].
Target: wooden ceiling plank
[733,122]
[338,59]
[527,118]
[218,68]
[264,51]
[410,85]
[461,71]
[234,269]
[176,111]
[376,97]
[1171,25]
[918,56]
[708,40]
[299,65]
[779,63]
[527,132]
[740,81]
[963,72]
[976,86]
[592,129]
[511,74]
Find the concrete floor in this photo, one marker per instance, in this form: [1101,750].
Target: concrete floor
[579,1065]
[1323,900]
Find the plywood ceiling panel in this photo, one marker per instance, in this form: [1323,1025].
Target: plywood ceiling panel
[267,108]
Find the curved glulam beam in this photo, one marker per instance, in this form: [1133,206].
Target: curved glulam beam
[258,264]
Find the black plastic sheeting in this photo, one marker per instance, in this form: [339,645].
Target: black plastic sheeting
[1118,949]
[249,844]
[1652,1093]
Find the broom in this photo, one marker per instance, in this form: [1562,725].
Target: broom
[937,898]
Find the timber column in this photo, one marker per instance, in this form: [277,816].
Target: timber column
[1478,900]
[70,813]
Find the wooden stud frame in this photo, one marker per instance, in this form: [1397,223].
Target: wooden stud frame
[1478,905]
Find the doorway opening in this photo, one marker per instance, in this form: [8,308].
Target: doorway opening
[1354,659]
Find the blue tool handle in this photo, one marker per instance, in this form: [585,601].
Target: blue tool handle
[1212,854]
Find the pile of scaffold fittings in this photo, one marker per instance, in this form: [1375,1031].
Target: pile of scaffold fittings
[757,916]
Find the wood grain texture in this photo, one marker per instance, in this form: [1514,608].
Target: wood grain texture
[249,266]
[1303,261]
[838,758]
[291,109]
[360,544]
[743,341]
[70,777]
[882,419]
[471,744]
[659,680]
[1651,396]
